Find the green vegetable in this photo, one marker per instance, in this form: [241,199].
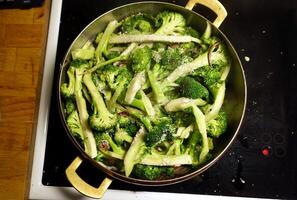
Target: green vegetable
[216,127]
[147,95]
[101,119]
[152,172]
[191,88]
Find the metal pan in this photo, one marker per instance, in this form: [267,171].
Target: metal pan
[235,99]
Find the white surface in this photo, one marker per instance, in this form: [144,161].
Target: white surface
[40,191]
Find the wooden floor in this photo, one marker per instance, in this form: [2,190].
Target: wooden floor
[22,41]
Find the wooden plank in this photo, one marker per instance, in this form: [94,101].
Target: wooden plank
[17,109]
[16,16]
[17,92]
[2,35]
[8,58]
[7,79]
[12,189]
[21,35]
[28,60]
[26,79]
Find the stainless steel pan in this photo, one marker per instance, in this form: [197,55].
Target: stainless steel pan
[235,99]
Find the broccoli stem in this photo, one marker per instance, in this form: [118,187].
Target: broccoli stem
[139,115]
[89,140]
[147,104]
[201,124]
[219,100]
[102,46]
[142,38]
[98,101]
[207,33]
[186,68]
[157,89]
[67,90]
[129,49]
[183,103]
[134,86]
[134,152]
[119,58]
[116,95]
[166,160]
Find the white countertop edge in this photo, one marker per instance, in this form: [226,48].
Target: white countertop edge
[62,193]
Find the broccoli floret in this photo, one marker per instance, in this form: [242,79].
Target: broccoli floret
[163,130]
[69,106]
[122,136]
[152,172]
[74,125]
[141,117]
[101,119]
[106,144]
[216,127]
[139,23]
[141,59]
[191,88]
[129,125]
[67,89]
[121,82]
[209,75]
[192,32]
[170,23]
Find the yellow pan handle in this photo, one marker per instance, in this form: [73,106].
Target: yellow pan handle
[214,5]
[81,185]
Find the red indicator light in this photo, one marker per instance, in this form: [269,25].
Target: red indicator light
[265,152]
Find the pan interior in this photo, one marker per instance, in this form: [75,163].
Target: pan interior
[235,98]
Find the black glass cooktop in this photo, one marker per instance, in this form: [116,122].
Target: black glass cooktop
[262,160]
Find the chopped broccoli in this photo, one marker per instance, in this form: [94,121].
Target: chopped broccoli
[139,23]
[201,124]
[152,172]
[135,152]
[70,106]
[89,140]
[163,130]
[67,90]
[218,57]
[129,125]
[140,116]
[153,75]
[84,54]
[106,144]
[74,125]
[104,40]
[122,136]
[144,38]
[141,59]
[191,88]
[182,104]
[193,143]
[170,23]
[101,119]
[134,86]
[217,126]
